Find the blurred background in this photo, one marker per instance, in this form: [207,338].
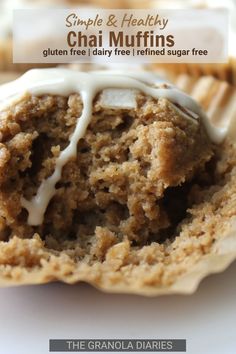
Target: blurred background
[227,72]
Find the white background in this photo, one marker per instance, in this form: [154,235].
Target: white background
[30,315]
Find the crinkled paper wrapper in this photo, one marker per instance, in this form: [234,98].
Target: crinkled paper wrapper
[222,255]
[223,252]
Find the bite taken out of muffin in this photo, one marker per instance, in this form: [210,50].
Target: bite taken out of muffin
[103,178]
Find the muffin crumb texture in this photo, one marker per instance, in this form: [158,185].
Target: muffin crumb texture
[146,197]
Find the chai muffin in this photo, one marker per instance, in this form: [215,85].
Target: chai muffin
[111,178]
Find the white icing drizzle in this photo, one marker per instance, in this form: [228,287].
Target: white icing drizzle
[65,82]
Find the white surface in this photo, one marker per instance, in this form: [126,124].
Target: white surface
[30,315]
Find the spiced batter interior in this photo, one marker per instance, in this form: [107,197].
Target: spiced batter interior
[146,196]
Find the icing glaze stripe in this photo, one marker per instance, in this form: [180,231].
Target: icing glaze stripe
[65,82]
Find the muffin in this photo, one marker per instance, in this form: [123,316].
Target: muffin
[111,178]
